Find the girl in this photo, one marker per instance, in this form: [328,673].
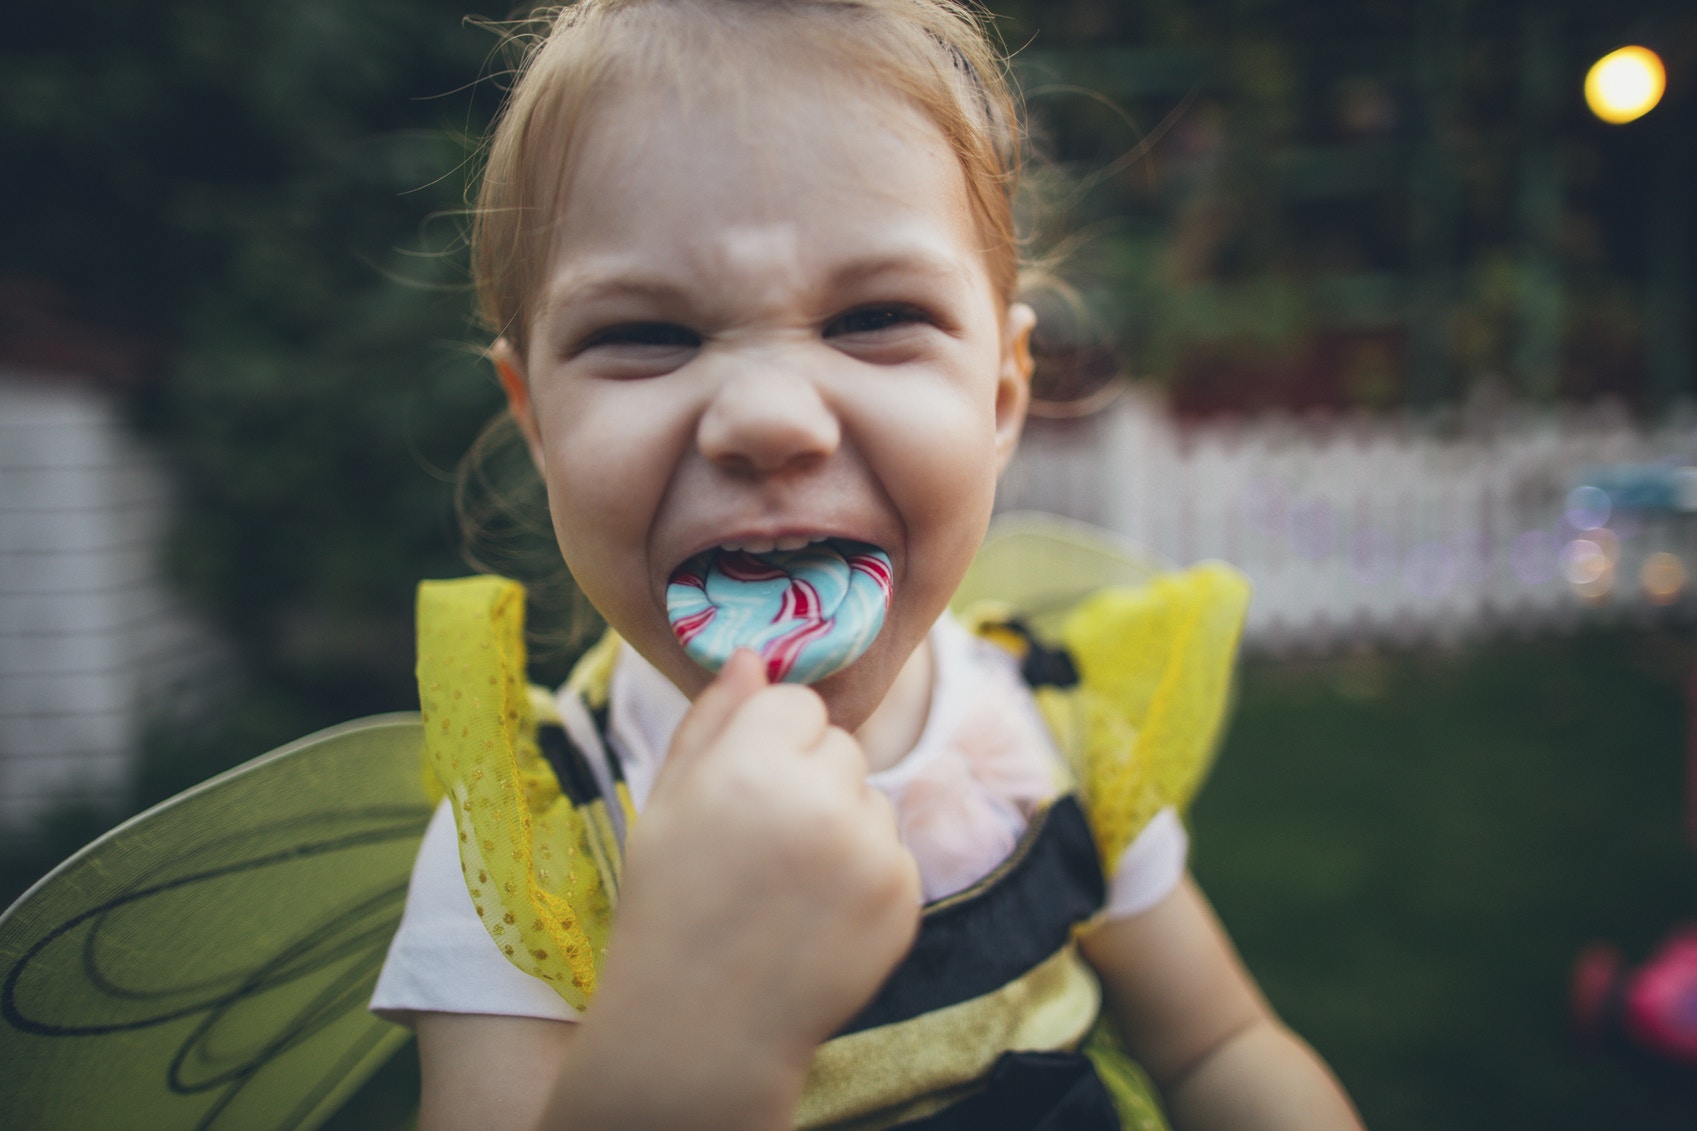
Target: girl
[753,270]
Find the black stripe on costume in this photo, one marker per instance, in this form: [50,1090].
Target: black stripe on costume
[571,768]
[1008,923]
[1031,1091]
[600,716]
[1042,666]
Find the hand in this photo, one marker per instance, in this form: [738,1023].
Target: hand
[766,896]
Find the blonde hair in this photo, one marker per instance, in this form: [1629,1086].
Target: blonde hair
[934,53]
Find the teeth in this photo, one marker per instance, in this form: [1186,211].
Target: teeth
[767,545]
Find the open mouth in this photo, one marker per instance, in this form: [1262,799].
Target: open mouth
[808,612]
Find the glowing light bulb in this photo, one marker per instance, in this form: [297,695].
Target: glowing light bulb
[1625,84]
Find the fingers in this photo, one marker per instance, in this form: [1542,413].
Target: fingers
[742,676]
[839,751]
[741,712]
[794,716]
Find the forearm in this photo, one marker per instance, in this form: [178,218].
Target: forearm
[1261,1078]
[483,1071]
[1192,1016]
[618,1080]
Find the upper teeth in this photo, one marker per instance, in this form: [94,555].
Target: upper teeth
[767,545]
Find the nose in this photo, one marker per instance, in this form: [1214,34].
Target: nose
[765,419]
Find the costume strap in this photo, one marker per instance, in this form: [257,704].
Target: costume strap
[1134,690]
[588,696]
[535,862]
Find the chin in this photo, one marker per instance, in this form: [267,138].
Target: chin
[853,694]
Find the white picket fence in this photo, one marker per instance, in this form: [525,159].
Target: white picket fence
[93,644]
[1396,528]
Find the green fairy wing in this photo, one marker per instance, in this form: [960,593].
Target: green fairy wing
[1041,565]
[207,964]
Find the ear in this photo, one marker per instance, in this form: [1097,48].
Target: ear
[510,367]
[1013,383]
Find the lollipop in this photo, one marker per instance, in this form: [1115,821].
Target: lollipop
[807,612]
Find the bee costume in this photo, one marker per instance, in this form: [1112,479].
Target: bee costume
[993,1020]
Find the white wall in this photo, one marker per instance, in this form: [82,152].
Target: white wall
[91,645]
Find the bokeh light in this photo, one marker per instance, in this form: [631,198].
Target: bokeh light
[1663,576]
[1607,541]
[1584,563]
[1587,507]
[1625,84]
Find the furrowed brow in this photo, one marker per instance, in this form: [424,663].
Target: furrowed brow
[921,265]
[598,285]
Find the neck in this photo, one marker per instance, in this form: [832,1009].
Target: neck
[894,727]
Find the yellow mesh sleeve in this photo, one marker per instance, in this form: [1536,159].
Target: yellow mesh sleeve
[592,676]
[1155,664]
[523,847]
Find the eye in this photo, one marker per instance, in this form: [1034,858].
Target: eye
[876,319]
[648,335]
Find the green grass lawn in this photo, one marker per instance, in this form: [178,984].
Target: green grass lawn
[1410,849]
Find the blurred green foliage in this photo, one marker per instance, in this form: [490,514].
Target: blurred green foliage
[272,196]
[1370,205]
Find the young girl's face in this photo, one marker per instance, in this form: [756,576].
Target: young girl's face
[767,318]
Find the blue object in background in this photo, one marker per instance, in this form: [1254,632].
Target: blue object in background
[1633,487]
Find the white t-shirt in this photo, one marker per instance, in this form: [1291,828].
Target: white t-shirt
[963,796]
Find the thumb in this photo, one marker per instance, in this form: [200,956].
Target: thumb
[743,675]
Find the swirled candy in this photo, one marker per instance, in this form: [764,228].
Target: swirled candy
[807,612]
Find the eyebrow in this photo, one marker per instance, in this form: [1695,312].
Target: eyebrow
[611,280]
[920,262]
[597,286]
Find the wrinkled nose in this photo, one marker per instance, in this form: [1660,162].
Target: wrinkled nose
[764,421]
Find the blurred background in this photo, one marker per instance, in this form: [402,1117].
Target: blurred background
[1365,298]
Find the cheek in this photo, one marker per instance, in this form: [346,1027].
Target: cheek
[942,454]
[606,466]
[941,478]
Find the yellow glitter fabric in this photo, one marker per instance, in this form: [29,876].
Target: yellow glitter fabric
[524,848]
[1154,663]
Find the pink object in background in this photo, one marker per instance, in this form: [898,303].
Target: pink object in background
[1659,1003]
[1654,1005]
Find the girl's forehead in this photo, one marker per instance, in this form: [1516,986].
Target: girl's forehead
[739,66]
[771,145]
[737,213]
